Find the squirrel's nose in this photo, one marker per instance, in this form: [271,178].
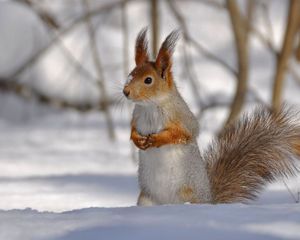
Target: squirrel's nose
[126,92]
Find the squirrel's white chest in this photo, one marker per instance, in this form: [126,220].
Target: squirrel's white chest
[149,120]
[160,169]
[161,172]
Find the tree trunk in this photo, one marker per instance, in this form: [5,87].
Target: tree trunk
[154,26]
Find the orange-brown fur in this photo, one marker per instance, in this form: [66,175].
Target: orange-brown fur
[159,71]
[141,48]
[139,91]
[187,194]
[139,140]
[172,134]
[297,148]
[143,197]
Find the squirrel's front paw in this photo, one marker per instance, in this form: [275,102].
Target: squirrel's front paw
[141,142]
[152,141]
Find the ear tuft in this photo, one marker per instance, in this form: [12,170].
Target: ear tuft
[164,57]
[141,47]
[170,42]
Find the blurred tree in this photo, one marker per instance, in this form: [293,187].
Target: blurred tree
[241,36]
[154,25]
[288,45]
[99,69]
[242,25]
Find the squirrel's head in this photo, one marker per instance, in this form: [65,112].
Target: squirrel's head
[150,81]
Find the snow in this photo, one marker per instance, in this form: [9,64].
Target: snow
[65,165]
[61,177]
[68,171]
[163,222]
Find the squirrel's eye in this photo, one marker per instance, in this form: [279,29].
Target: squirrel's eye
[148,80]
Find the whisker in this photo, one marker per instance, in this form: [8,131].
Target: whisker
[121,102]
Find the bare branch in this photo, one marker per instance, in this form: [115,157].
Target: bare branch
[215,103]
[282,60]
[295,75]
[266,16]
[199,47]
[220,102]
[264,6]
[298,51]
[44,15]
[241,41]
[154,14]
[99,69]
[27,92]
[64,32]
[124,22]
[296,199]
[192,76]
[77,64]
[125,31]
[206,53]
[187,60]
[211,3]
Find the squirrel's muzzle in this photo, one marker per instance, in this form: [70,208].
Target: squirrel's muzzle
[126,91]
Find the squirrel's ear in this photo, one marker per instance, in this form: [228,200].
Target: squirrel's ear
[164,58]
[141,47]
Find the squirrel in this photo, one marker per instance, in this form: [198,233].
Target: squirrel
[255,150]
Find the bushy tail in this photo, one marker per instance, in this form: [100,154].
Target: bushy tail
[257,149]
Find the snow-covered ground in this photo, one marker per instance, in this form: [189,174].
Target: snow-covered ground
[168,222]
[68,171]
[65,163]
[68,181]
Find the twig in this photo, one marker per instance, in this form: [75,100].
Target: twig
[64,32]
[297,51]
[295,75]
[211,3]
[187,60]
[291,193]
[44,15]
[210,56]
[241,41]
[154,15]
[217,102]
[98,66]
[270,41]
[77,64]
[192,75]
[212,104]
[257,98]
[125,31]
[282,60]
[124,22]
[27,92]
[267,20]
[199,47]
